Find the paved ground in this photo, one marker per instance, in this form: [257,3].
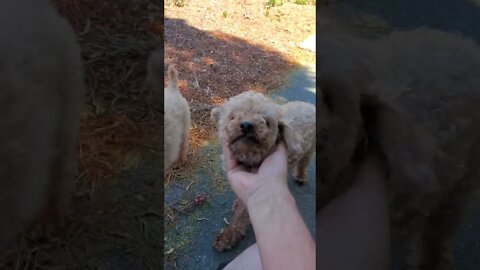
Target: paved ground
[449,15]
[188,242]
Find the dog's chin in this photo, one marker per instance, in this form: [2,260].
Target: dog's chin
[245,150]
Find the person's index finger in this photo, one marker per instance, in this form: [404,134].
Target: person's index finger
[230,162]
[279,155]
[281,148]
[281,151]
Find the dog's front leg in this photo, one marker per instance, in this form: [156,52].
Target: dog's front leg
[229,236]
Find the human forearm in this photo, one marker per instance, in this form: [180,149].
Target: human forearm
[353,229]
[283,240]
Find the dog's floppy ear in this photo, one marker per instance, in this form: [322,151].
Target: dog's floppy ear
[215,114]
[291,139]
[340,128]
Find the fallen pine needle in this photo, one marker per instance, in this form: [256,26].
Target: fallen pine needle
[225,220]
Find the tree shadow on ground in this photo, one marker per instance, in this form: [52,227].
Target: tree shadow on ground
[214,66]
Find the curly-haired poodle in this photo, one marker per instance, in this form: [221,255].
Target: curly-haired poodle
[414,97]
[42,93]
[252,124]
[177,119]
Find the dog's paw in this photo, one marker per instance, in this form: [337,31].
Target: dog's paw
[300,178]
[225,240]
[179,163]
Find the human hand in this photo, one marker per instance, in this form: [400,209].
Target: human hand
[364,204]
[283,240]
[271,177]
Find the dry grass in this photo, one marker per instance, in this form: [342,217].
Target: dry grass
[281,28]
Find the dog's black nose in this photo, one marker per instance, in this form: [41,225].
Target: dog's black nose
[246,127]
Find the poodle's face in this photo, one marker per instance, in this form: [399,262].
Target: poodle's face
[251,125]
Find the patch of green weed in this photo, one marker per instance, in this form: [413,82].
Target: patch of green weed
[177,3]
[301,2]
[274,3]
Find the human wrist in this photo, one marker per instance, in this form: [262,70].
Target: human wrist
[269,197]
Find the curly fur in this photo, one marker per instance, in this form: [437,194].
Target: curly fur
[293,122]
[42,92]
[412,96]
[177,119]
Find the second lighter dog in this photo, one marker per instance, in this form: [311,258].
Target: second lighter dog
[177,119]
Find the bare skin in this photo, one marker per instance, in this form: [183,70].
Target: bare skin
[352,231]
[273,212]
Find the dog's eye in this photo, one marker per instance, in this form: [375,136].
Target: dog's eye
[268,123]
